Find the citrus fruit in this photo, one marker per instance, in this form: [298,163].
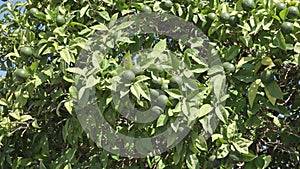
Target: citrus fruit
[279,7]
[33,11]
[156,110]
[175,81]
[167,4]
[164,86]
[137,70]
[60,20]
[26,51]
[128,75]
[146,9]
[211,17]
[293,12]
[229,67]
[234,20]
[267,77]
[154,93]
[248,5]
[224,17]
[21,74]
[162,100]
[287,27]
[157,81]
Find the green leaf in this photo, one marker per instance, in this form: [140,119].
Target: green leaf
[223,151]
[267,61]
[142,88]
[160,46]
[204,110]
[113,20]
[134,90]
[267,160]
[161,121]
[127,61]
[2,102]
[231,130]
[232,52]
[241,145]
[104,15]
[252,91]
[91,82]
[24,118]
[297,47]
[192,161]
[274,90]
[141,78]
[123,25]
[279,41]
[175,93]
[69,105]
[83,10]
[66,56]
[99,27]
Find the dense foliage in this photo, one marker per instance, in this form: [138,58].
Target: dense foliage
[258,44]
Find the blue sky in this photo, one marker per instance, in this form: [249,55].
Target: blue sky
[1,16]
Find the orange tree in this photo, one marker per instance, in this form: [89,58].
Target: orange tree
[257,41]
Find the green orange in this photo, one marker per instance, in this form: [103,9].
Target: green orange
[33,11]
[146,9]
[293,12]
[21,74]
[234,20]
[224,17]
[60,20]
[287,27]
[26,51]
[248,5]
[167,4]
[279,7]
[128,75]
[229,67]
[162,100]
[211,17]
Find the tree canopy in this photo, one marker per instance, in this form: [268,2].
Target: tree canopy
[236,82]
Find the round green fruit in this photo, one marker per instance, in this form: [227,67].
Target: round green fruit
[156,110]
[137,70]
[175,81]
[279,7]
[267,77]
[128,75]
[146,9]
[154,93]
[162,100]
[234,20]
[287,27]
[229,67]
[165,86]
[60,20]
[211,17]
[167,4]
[157,81]
[21,74]
[293,12]
[248,5]
[224,17]
[33,11]
[26,51]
